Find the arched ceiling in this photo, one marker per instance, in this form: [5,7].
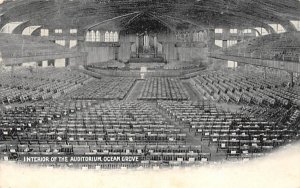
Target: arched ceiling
[83,14]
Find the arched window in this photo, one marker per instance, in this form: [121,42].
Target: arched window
[29,30]
[182,36]
[111,37]
[116,37]
[200,36]
[93,36]
[97,36]
[106,36]
[278,28]
[88,36]
[296,24]
[195,36]
[10,27]
[261,31]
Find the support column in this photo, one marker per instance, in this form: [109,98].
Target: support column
[137,44]
[155,45]
[224,44]
[1,62]
[225,37]
[292,79]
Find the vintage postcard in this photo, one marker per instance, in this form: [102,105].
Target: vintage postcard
[150,93]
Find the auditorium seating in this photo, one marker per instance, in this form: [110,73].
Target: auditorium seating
[238,87]
[106,88]
[163,88]
[89,127]
[89,116]
[239,135]
[283,47]
[26,46]
[23,85]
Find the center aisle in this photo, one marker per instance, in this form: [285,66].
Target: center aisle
[135,91]
[194,95]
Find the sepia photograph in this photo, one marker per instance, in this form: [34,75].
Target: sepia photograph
[150,93]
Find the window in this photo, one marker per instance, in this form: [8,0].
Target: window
[261,31]
[231,43]
[44,32]
[296,24]
[73,31]
[106,36]
[60,63]
[73,43]
[232,64]
[247,31]
[233,31]
[29,30]
[97,36]
[88,36]
[111,36]
[219,43]
[93,36]
[195,37]
[177,36]
[10,27]
[218,30]
[58,31]
[278,28]
[61,42]
[115,37]
[202,36]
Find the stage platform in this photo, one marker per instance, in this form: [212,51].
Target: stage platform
[146,58]
[149,65]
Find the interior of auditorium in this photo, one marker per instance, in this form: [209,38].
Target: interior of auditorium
[176,83]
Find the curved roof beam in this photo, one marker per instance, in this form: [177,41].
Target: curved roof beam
[108,20]
[231,12]
[172,28]
[133,18]
[234,12]
[184,20]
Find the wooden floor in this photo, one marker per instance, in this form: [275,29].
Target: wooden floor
[135,91]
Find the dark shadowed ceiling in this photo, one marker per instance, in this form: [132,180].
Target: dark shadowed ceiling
[173,14]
